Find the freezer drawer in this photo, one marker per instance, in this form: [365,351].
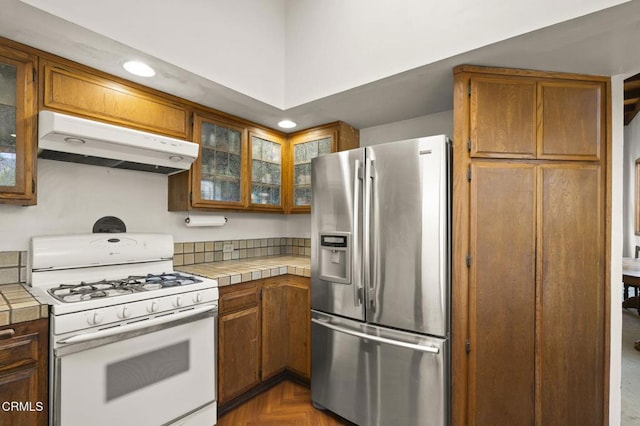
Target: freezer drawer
[376,376]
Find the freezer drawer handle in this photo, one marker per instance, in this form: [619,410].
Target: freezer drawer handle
[432,349]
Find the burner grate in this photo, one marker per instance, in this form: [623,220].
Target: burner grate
[119,287]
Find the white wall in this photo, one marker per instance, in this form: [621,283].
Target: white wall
[289,52]
[71,197]
[239,44]
[335,45]
[618,182]
[427,125]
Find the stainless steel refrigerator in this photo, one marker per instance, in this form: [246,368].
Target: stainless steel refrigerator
[380,283]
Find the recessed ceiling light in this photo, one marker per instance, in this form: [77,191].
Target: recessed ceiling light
[139,68]
[287,124]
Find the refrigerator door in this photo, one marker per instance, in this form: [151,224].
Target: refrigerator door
[375,376]
[407,252]
[336,227]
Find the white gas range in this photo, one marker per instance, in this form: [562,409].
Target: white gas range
[131,339]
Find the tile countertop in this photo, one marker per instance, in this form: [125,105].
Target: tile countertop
[18,305]
[236,271]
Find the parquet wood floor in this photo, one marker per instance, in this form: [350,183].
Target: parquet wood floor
[285,404]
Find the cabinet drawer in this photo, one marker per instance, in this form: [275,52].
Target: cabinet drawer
[17,350]
[237,297]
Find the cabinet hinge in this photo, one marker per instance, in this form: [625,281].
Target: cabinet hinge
[469,174]
[469,145]
[260,295]
[469,89]
[191,198]
[468,260]
[467,346]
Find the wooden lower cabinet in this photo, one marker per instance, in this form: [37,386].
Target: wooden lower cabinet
[264,330]
[299,317]
[275,323]
[24,351]
[239,363]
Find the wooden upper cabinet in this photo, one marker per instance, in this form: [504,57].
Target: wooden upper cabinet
[102,97]
[503,117]
[18,138]
[305,146]
[218,176]
[571,120]
[536,118]
[267,151]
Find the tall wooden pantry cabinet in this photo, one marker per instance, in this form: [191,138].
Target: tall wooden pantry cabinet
[530,278]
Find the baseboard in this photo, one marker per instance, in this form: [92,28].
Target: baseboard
[267,384]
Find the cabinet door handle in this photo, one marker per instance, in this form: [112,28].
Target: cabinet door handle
[7,334]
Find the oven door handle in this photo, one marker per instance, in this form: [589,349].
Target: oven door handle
[138,325]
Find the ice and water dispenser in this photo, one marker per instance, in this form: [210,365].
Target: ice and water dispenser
[335,257]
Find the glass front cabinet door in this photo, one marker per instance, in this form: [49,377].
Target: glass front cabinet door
[218,175]
[303,149]
[17,127]
[267,152]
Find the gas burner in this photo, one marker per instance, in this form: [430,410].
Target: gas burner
[118,287]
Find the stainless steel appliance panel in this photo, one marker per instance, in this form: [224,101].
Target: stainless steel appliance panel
[336,220]
[376,376]
[408,249]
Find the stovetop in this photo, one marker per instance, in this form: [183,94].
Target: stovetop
[85,291]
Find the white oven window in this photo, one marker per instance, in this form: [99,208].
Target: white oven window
[149,379]
[140,371]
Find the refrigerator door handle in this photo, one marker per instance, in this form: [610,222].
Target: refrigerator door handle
[356,264]
[366,234]
[422,348]
[371,262]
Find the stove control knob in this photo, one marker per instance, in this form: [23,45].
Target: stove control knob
[94,318]
[178,302]
[124,312]
[197,298]
[153,307]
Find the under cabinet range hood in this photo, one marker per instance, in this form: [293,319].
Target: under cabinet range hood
[78,140]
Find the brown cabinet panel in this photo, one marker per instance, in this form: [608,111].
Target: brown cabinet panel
[502,293]
[531,308]
[275,324]
[299,316]
[24,372]
[571,120]
[571,327]
[234,298]
[305,145]
[503,118]
[18,136]
[89,95]
[218,175]
[239,353]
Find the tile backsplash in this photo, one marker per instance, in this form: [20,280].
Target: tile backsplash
[13,264]
[216,251]
[13,267]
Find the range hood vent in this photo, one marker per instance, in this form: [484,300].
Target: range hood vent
[77,140]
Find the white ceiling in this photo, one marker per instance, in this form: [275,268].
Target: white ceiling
[597,43]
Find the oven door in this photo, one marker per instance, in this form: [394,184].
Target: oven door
[153,376]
